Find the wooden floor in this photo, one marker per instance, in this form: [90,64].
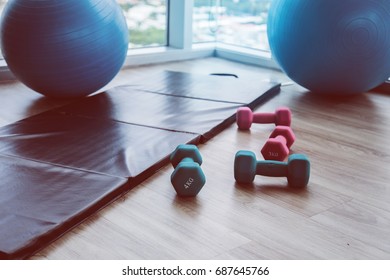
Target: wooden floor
[344,213]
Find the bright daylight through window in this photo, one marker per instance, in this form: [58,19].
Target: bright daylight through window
[2,3]
[234,22]
[147,22]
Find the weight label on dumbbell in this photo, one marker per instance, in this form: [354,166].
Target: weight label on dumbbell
[187,185]
[273,154]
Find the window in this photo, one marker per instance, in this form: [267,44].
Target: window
[147,22]
[2,3]
[235,22]
[225,23]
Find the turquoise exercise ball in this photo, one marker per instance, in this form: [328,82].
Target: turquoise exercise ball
[331,46]
[64,48]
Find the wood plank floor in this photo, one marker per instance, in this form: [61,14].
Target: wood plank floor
[344,213]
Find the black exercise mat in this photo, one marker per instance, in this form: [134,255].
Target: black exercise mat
[103,146]
[50,162]
[126,133]
[183,113]
[209,87]
[129,105]
[39,202]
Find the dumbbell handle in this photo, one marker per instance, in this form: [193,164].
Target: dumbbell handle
[272,168]
[264,117]
[189,160]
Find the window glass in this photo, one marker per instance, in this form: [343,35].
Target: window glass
[238,22]
[147,22]
[2,2]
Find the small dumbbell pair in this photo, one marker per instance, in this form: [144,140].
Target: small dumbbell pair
[277,147]
[274,151]
[188,177]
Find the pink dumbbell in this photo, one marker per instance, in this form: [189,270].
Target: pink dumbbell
[278,145]
[245,117]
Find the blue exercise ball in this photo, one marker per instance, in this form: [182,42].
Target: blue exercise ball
[64,48]
[332,46]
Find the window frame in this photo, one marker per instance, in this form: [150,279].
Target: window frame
[180,47]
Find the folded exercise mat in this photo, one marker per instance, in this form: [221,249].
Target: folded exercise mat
[103,146]
[40,201]
[209,87]
[58,169]
[62,165]
[193,113]
[129,105]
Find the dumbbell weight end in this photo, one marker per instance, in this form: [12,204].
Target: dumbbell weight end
[298,170]
[188,178]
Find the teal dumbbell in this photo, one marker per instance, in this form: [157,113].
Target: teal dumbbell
[296,169]
[188,177]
